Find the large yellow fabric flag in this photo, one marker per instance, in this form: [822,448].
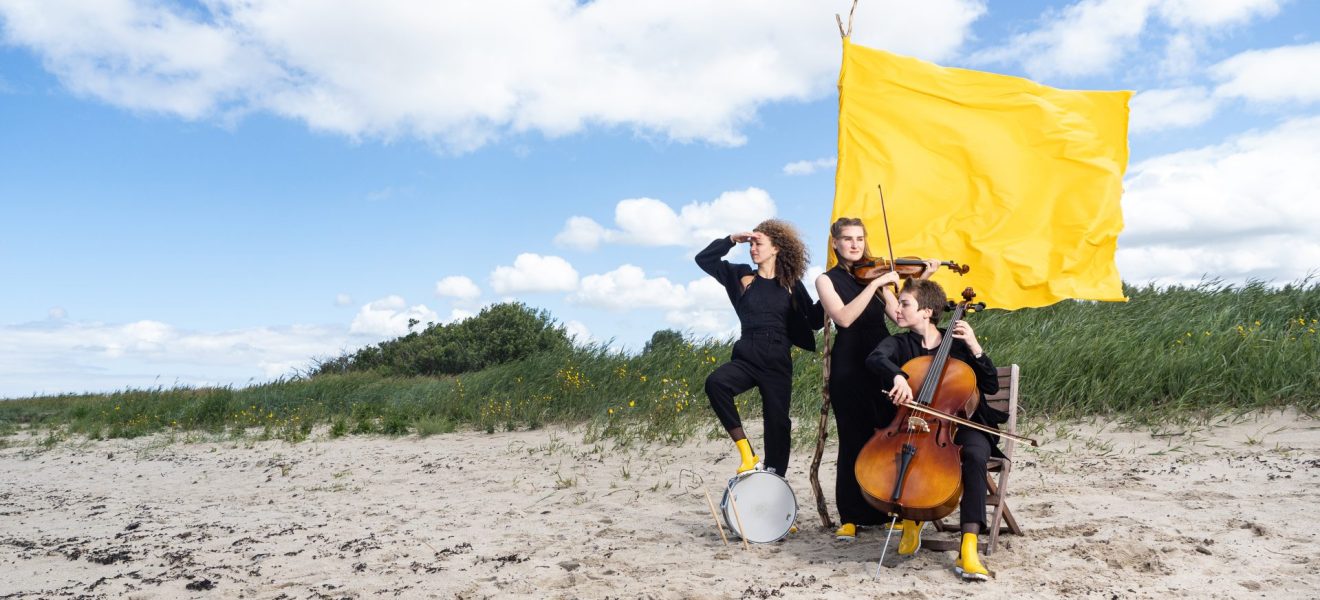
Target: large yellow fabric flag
[1018,180]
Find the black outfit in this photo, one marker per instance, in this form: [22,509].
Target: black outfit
[859,406]
[770,318]
[977,446]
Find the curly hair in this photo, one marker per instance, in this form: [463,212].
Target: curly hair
[791,262]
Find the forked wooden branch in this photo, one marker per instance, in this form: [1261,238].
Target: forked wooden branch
[822,432]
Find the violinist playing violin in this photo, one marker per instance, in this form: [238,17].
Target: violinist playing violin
[920,305]
[858,306]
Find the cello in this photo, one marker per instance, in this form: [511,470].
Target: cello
[912,468]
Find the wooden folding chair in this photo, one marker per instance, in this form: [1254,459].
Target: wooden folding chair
[997,472]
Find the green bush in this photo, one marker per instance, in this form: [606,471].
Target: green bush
[664,338]
[501,333]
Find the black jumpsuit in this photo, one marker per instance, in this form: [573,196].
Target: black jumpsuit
[770,319]
[860,406]
[977,446]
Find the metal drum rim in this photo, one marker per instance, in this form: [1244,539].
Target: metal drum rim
[728,519]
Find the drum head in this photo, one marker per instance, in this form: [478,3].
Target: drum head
[766,506]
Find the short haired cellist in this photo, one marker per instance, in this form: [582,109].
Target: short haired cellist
[920,305]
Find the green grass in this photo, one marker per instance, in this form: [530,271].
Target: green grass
[1167,355]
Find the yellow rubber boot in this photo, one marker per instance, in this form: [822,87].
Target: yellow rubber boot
[969,563]
[911,541]
[749,460]
[846,533]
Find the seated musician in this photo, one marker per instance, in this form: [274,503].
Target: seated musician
[920,305]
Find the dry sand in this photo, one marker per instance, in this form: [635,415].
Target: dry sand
[1224,512]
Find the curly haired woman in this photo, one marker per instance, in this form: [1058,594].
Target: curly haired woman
[774,309]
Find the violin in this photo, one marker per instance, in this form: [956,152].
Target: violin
[907,267]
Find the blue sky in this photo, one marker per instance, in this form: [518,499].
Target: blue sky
[213,192]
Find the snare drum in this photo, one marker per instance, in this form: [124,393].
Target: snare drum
[767,506]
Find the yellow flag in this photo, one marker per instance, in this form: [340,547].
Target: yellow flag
[1018,180]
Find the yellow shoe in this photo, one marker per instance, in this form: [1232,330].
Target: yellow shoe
[969,565]
[846,533]
[911,541]
[749,460]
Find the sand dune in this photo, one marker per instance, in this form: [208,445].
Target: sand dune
[1202,512]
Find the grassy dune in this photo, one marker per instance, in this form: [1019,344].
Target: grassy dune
[1167,354]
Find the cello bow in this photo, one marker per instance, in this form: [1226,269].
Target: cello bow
[917,406]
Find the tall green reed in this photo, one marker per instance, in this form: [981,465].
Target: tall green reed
[1166,354]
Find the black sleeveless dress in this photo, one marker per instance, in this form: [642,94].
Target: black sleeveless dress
[860,405]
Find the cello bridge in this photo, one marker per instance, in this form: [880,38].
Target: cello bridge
[918,425]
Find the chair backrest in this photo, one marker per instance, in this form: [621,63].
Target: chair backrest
[1006,399]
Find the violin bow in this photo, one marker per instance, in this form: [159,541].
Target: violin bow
[889,240]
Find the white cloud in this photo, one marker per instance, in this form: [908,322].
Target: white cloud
[1156,110]
[458,287]
[1274,76]
[53,357]
[732,211]
[451,73]
[809,279]
[534,273]
[578,332]
[581,233]
[458,314]
[1238,210]
[388,317]
[343,300]
[1094,36]
[1286,74]
[714,323]
[1216,13]
[627,288]
[701,307]
[807,167]
[57,313]
[1083,38]
[1180,56]
[707,313]
[650,222]
[647,222]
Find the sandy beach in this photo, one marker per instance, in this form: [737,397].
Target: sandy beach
[1198,512]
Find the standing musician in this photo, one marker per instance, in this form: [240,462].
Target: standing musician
[920,305]
[773,308]
[859,310]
